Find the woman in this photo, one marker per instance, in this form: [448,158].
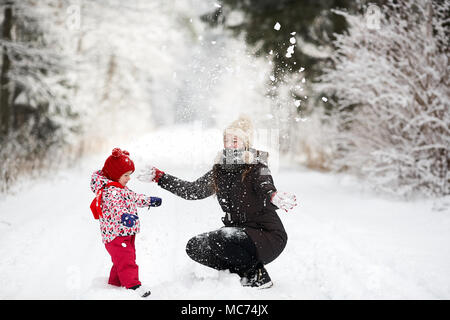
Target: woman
[253,234]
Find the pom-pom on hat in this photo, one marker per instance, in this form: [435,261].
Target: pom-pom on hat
[117,164]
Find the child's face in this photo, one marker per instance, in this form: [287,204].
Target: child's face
[123,180]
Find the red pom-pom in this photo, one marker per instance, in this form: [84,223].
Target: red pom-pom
[116,152]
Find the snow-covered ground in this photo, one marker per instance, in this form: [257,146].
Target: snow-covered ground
[345,242]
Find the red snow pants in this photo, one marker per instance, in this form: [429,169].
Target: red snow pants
[124,271]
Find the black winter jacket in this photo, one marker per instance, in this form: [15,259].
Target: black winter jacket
[246,203]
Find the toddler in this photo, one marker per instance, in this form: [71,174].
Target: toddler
[115,206]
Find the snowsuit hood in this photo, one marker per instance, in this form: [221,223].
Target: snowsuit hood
[98,181]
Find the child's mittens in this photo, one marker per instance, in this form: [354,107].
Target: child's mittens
[129,220]
[149,174]
[284,200]
[155,202]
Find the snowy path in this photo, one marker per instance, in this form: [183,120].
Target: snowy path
[344,242]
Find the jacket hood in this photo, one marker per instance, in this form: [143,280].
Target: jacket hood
[98,181]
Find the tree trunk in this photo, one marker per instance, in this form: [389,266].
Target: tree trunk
[5,101]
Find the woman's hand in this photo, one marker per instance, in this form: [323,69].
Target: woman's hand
[284,200]
[149,174]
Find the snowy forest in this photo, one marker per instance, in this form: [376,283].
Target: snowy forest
[353,95]
[71,70]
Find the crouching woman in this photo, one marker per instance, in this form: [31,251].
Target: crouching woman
[253,234]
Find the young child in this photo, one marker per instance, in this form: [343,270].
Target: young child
[115,207]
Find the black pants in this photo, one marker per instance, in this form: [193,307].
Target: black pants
[226,248]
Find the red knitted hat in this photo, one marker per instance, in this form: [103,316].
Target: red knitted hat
[117,164]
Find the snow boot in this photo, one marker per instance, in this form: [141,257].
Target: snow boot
[141,290]
[257,278]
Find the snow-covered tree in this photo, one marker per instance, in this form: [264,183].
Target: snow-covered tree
[110,70]
[126,51]
[35,107]
[390,82]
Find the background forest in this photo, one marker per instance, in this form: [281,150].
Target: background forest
[350,85]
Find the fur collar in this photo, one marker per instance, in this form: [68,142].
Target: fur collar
[236,157]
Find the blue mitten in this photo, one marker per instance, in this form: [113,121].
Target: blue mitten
[129,220]
[155,201]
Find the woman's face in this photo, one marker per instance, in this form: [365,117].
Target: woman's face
[232,142]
